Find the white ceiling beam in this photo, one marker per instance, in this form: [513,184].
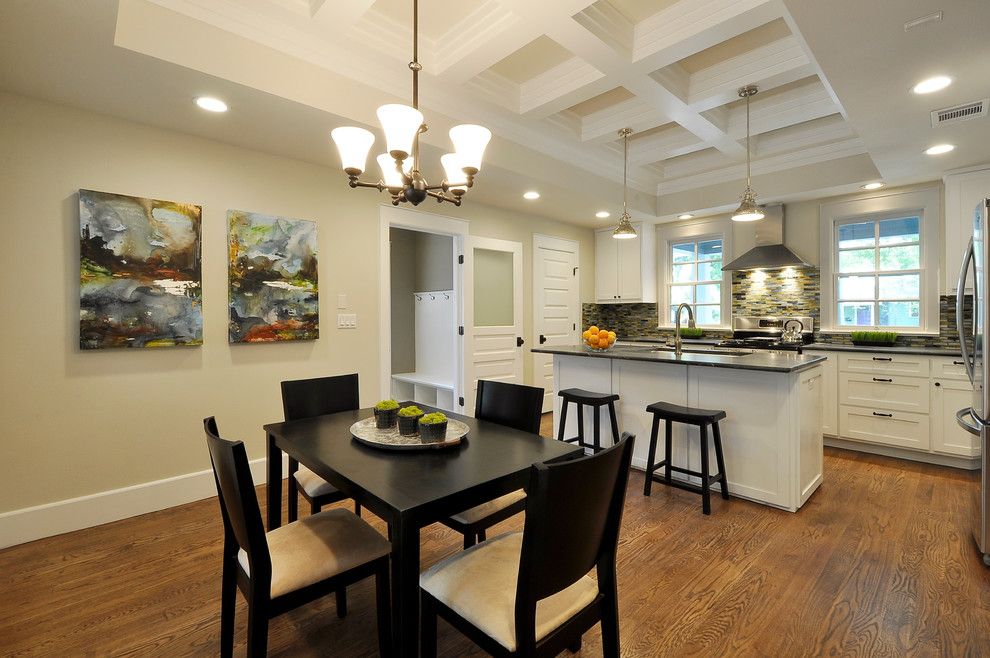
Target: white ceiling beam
[664,144]
[610,25]
[496,89]
[832,128]
[338,15]
[779,110]
[563,86]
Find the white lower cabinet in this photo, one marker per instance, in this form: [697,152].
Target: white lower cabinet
[830,393]
[948,397]
[893,428]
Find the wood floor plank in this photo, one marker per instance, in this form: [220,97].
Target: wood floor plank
[880,562]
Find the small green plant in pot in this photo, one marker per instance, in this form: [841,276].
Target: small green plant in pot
[433,427]
[409,420]
[692,332]
[386,414]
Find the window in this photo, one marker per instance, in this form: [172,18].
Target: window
[880,262]
[878,273]
[696,279]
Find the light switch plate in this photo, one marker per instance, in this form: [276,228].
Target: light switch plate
[347,320]
[342,300]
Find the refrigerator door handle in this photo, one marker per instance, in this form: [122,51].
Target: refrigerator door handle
[960,301]
[968,421]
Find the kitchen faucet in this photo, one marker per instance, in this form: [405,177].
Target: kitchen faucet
[677,326]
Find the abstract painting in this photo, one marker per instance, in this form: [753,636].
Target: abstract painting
[140,272]
[272,275]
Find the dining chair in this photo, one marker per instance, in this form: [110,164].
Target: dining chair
[307,398]
[530,593]
[511,405]
[291,565]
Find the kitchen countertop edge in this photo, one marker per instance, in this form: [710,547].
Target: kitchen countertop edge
[895,349]
[765,361]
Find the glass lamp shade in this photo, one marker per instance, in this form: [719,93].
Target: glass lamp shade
[401,124]
[748,211]
[390,175]
[625,230]
[469,143]
[456,178]
[353,145]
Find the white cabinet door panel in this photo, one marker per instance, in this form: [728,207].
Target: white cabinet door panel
[885,391]
[893,428]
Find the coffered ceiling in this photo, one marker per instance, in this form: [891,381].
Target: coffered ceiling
[556,79]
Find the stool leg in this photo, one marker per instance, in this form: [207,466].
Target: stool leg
[597,433]
[706,495]
[721,460]
[668,441]
[563,420]
[615,423]
[654,435]
[580,408]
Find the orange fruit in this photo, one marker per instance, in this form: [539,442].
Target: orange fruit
[611,334]
[586,335]
[593,330]
[603,341]
[611,339]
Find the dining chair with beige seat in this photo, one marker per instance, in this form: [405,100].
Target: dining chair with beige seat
[293,565]
[531,593]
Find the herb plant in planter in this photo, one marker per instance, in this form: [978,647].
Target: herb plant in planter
[433,427]
[692,332]
[386,414]
[409,420]
[873,338]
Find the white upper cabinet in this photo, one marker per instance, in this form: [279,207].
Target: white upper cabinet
[625,270]
[963,191]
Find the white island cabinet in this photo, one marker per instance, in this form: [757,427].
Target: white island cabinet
[771,436]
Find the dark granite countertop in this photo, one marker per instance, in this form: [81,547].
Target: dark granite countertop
[757,360]
[660,341]
[897,349]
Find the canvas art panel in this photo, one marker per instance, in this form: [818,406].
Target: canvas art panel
[272,271]
[140,272]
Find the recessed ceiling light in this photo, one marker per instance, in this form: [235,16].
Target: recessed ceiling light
[211,104]
[532,195]
[686,215]
[873,186]
[603,214]
[930,85]
[939,149]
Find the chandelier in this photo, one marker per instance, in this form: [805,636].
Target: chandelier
[625,229]
[748,211]
[402,125]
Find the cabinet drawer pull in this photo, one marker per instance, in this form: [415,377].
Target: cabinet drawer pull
[958,363]
[877,413]
[882,358]
[881,379]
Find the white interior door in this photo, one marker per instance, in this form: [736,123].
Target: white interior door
[492,314]
[556,305]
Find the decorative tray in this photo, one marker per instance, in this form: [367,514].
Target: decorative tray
[365,431]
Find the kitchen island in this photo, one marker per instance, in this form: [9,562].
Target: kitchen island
[772,436]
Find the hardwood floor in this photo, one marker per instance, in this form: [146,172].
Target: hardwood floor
[880,562]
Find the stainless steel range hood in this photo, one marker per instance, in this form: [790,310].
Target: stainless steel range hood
[769,252]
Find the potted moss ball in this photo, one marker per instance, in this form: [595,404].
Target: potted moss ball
[433,427]
[409,420]
[386,414]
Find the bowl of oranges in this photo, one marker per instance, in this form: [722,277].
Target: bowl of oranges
[598,340]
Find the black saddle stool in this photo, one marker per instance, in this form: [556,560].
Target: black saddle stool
[672,413]
[596,401]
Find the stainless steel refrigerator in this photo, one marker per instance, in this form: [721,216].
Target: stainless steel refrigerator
[973,341]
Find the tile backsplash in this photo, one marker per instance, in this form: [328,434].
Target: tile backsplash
[784,292]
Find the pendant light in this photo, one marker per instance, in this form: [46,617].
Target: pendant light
[625,230]
[748,210]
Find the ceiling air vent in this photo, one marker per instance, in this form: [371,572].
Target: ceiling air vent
[958,113]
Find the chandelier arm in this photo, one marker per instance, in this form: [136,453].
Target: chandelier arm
[440,197]
[354,182]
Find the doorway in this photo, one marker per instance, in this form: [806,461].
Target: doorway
[556,304]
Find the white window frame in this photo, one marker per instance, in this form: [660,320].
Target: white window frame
[695,231]
[926,205]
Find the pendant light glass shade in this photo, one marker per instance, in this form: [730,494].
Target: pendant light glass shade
[353,145]
[469,143]
[390,174]
[625,230]
[401,124]
[452,167]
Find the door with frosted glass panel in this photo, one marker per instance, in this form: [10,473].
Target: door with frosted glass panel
[493,345]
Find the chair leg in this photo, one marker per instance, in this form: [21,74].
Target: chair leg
[384,610]
[654,435]
[597,431]
[357,508]
[482,536]
[615,423]
[575,646]
[228,602]
[257,630]
[580,408]
[293,492]
[314,508]
[469,539]
[721,460]
[428,630]
[562,421]
[610,609]
[668,445]
[341,602]
[706,494]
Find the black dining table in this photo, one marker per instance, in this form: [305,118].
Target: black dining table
[409,490]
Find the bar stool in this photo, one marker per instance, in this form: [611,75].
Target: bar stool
[594,400]
[672,413]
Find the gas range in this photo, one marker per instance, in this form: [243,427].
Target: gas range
[765,333]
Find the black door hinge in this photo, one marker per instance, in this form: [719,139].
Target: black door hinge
[460,259]
[460,331]
[460,401]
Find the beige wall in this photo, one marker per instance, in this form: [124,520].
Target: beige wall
[81,423]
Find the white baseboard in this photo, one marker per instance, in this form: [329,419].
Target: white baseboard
[50,519]
[965,463]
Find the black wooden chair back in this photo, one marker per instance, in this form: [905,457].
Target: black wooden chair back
[238,501]
[573,514]
[512,405]
[307,398]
